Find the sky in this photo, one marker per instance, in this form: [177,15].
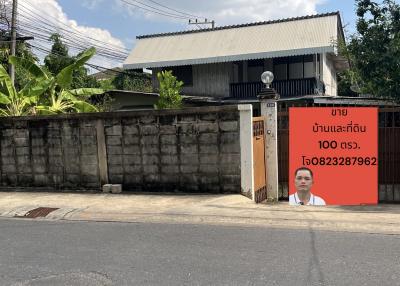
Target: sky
[116,23]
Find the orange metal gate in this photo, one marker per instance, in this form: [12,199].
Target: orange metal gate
[260,181]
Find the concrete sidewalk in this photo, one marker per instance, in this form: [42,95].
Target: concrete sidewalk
[201,209]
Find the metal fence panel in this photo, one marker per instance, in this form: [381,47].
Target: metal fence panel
[389,149]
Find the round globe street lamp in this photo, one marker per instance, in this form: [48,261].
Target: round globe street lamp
[268,92]
[267,78]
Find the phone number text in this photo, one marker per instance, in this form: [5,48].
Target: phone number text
[339,161]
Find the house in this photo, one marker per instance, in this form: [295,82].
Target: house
[122,100]
[107,74]
[225,63]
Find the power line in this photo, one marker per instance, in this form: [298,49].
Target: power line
[44,38]
[97,67]
[68,28]
[181,12]
[47,51]
[180,15]
[35,16]
[36,25]
[33,23]
[41,37]
[155,10]
[42,34]
[41,30]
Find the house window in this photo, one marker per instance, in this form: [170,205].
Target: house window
[183,73]
[280,72]
[255,69]
[294,67]
[309,66]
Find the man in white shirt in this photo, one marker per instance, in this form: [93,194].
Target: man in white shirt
[303,181]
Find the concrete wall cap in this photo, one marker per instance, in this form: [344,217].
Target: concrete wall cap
[244,107]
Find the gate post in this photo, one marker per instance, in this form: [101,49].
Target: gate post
[268,101]
[246,150]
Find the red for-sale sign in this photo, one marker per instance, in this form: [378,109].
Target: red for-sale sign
[333,156]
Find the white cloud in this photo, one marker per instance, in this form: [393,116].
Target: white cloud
[51,11]
[228,12]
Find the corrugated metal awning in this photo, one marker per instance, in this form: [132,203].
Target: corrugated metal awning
[276,39]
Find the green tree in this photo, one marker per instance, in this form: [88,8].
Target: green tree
[107,84]
[59,58]
[132,80]
[374,51]
[170,89]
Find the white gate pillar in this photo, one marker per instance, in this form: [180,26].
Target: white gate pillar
[268,101]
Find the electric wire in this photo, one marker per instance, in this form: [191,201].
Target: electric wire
[46,51]
[36,14]
[155,10]
[33,23]
[181,12]
[41,28]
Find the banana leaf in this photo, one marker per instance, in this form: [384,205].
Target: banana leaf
[67,95]
[35,88]
[64,77]
[82,106]
[4,99]
[45,110]
[84,57]
[8,88]
[86,92]
[29,66]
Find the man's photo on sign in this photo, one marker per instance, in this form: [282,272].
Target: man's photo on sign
[303,182]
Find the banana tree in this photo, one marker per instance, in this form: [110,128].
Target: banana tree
[58,98]
[69,100]
[19,103]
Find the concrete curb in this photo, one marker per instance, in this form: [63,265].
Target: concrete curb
[228,210]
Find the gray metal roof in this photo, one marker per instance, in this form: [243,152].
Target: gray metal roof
[290,37]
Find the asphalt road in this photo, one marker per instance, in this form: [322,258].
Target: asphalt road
[87,253]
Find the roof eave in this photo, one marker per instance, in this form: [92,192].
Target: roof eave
[231,58]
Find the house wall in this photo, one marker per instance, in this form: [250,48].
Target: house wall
[249,73]
[196,149]
[268,65]
[132,100]
[254,74]
[208,80]
[329,75]
[214,79]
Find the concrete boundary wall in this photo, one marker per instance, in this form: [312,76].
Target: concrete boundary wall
[187,150]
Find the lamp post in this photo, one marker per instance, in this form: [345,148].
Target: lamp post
[268,100]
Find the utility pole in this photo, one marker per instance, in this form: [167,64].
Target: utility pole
[13,38]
